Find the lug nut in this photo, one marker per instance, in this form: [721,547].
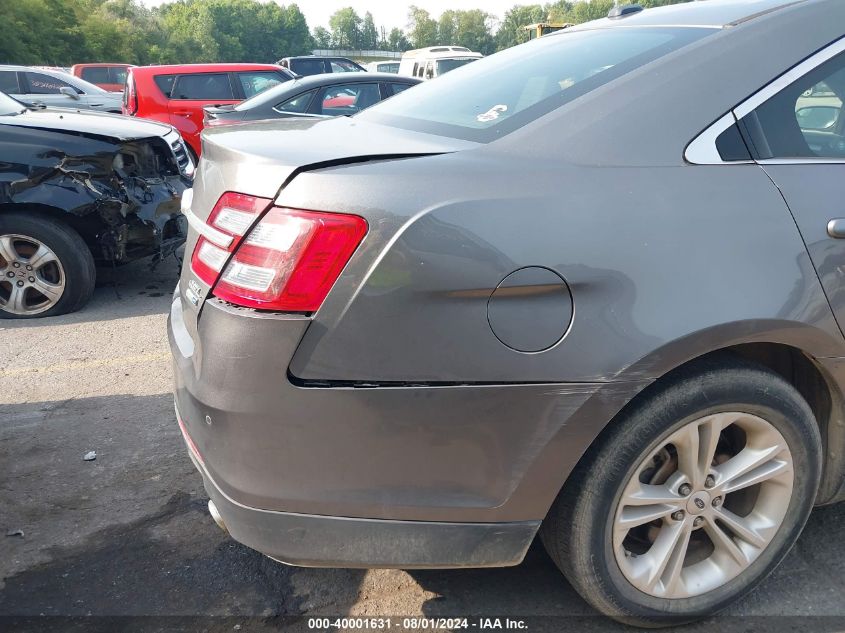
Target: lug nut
[698,522]
[16,264]
[32,280]
[678,516]
[20,284]
[28,267]
[717,502]
[685,489]
[10,274]
[710,481]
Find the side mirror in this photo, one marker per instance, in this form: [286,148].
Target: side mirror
[69,92]
[817,117]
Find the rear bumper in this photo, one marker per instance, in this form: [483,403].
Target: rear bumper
[309,540]
[398,476]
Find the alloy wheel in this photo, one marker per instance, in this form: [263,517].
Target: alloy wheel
[703,505]
[32,279]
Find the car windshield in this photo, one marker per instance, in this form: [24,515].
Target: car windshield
[498,94]
[9,106]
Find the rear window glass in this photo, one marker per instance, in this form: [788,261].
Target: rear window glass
[308,66]
[203,86]
[96,75]
[253,82]
[165,83]
[117,75]
[343,66]
[46,85]
[496,95]
[297,104]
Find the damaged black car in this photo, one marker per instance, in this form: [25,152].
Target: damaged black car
[80,190]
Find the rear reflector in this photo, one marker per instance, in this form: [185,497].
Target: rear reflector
[287,262]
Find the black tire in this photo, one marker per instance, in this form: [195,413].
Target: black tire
[577,531]
[71,251]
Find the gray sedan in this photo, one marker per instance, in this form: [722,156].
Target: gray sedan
[330,94]
[53,88]
[589,288]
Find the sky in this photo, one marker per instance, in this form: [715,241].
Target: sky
[386,13]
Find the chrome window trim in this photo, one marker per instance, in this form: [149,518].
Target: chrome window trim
[702,149]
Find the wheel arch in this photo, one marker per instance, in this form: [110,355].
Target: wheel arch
[86,228]
[817,378]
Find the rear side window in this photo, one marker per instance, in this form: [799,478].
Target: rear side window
[165,83]
[9,82]
[308,66]
[254,82]
[96,75]
[496,95]
[348,99]
[296,105]
[805,119]
[45,85]
[203,87]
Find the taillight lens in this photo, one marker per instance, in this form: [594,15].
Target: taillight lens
[232,216]
[130,97]
[288,262]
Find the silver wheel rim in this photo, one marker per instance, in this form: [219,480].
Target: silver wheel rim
[32,279]
[703,505]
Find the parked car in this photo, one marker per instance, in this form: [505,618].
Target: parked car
[111,77]
[383,67]
[316,65]
[542,294]
[177,94]
[79,189]
[428,63]
[56,89]
[316,96]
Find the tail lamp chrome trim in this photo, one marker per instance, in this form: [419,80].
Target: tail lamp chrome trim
[208,232]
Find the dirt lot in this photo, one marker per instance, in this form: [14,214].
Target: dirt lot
[129,535]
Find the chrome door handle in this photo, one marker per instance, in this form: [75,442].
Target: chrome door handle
[836,228]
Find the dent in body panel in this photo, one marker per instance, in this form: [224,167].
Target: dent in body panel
[126,192]
[704,256]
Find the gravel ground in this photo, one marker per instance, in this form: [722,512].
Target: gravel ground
[128,534]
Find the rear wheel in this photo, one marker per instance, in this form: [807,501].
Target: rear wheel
[692,499]
[46,268]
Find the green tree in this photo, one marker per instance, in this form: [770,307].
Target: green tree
[511,31]
[396,40]
[346,28]
[422,29]
[322,38]
[369,33]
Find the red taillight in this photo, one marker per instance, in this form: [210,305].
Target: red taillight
[232,216]
[130,97]
[288,262]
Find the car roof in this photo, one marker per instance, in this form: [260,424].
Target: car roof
[101,65]
[713,14]
[203,68]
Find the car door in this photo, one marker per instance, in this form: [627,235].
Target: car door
[193,91]
[46,89]
[796,131]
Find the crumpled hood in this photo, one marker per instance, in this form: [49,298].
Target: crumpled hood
[88,123]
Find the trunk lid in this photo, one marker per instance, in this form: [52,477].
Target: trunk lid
[260,158]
